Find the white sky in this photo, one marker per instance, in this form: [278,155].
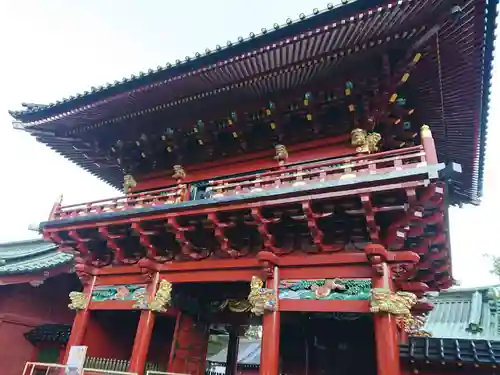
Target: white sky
[56,48]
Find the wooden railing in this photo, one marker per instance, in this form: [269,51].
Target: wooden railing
[276,178]
[336,169]
[135,200]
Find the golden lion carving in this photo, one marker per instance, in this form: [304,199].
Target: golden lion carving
[78,301]
[162,298]
[128,183]
[365,143]
[179,172]
[281,153]
[261,299]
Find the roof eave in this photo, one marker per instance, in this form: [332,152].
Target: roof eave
[209,57]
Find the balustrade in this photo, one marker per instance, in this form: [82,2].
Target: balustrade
[336,169]
[152,198]
[93,365]
[38,368]
[280,177]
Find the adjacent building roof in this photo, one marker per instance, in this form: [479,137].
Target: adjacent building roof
[472,313]
[482,353]
[30,256]
[53,333]
[465,324]
[433,350]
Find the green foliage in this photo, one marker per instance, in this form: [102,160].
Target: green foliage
[495,264]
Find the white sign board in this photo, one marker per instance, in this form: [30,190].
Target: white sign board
[76,359]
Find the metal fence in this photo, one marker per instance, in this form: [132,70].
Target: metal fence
[38,368]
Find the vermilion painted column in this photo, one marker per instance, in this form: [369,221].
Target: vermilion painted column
[403,336]
[232,352]
[80,323]
[143,334]
[270,351]
[141,342]
[386,330]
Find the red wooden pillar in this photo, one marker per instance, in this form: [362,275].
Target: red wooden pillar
[403,336]
[270,351]
[81,321]
[386,330]
[232,352]
[143,333]
[141,342]
[428,145]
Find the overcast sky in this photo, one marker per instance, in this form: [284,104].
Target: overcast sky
[55,48]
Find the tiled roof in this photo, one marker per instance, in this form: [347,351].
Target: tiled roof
[454,99]
[451,351]
[466,314]
[418,349]
[30,256]
[208,57]
[58,333]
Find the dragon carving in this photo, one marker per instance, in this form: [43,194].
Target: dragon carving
[384,301]
[238,306]
[78,300]
[261,299]
[162,298]
[366,143]
[400,305]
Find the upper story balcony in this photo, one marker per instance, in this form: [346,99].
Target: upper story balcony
[284,179]
[395,198]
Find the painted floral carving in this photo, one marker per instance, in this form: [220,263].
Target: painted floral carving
[118,292]
[325,289]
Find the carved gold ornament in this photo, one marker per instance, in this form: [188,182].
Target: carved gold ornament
[365,143]
[261,299]
[179,172]
[141,301]
[281,153]
[128,183]
[385,301]
[162,298]
[79,301]
[425,132]
[412,325]
[238,306]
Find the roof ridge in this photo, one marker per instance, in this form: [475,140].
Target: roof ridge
[23,242]
[178,63]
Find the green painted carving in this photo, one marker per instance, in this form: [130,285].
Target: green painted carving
[325,289]
[118,293]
